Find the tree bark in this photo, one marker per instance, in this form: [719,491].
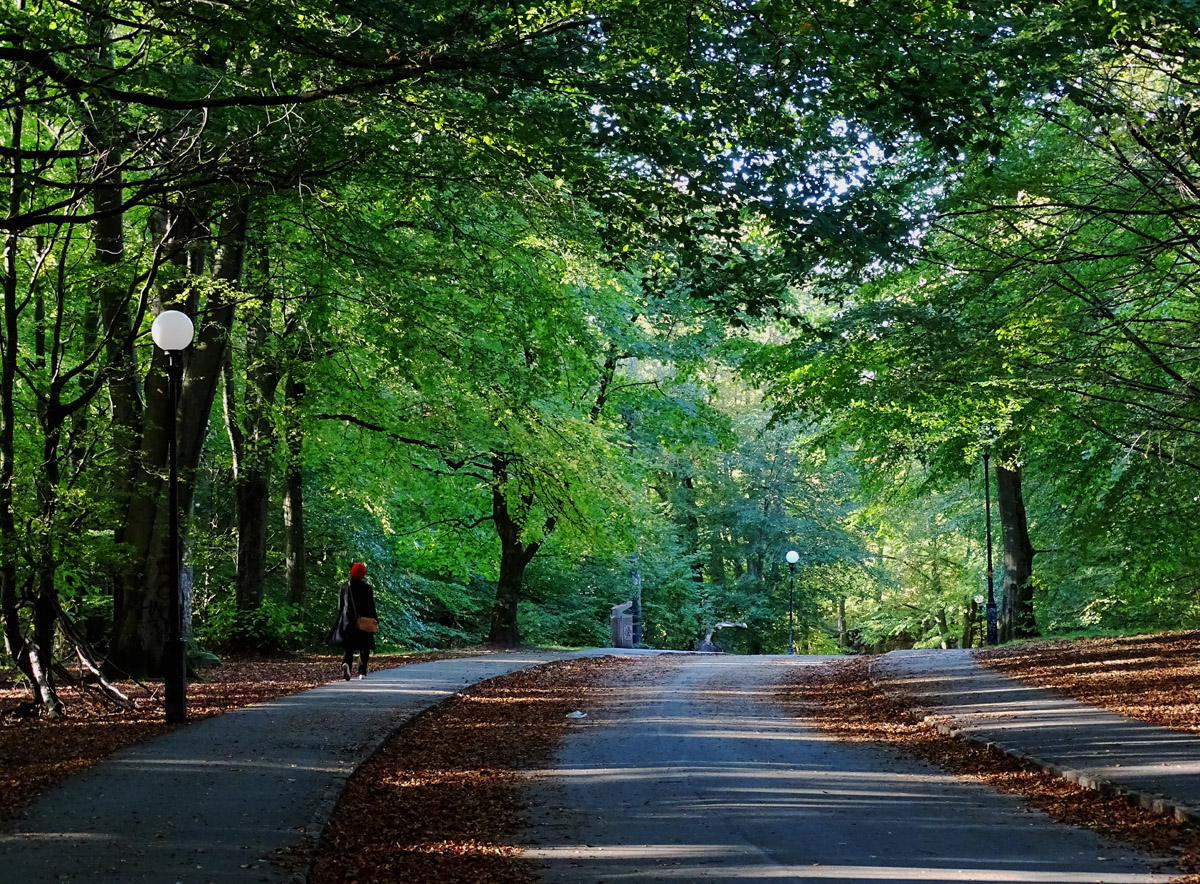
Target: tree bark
[295,549]
[31,652]
[1016,610]
[688,518]
[10,596]
[505,631]
[145,585]
[515,556]
[252,439]
[943,625]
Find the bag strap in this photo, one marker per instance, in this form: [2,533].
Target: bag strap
[353,607]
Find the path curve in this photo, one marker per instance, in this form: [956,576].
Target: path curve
[224,800]
[699,775]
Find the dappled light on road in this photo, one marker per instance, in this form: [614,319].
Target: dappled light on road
[702,776]
[667,863]
[991,707]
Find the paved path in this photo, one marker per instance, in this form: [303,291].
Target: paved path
[696,775]
[223,799]
[1094,747]
[699,775]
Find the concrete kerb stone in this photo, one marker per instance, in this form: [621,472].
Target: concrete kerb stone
[946,725]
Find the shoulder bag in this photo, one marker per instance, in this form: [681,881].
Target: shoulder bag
[364,624]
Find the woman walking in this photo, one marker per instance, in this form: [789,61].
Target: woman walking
[357,620]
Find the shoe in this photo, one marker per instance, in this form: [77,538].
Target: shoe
[361,676]
[346,671]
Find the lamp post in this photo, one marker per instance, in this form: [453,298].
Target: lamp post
[172,332]
[792,557]
[635,577]
[992,637]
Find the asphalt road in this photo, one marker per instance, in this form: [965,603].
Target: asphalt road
[227,800]
[698,775]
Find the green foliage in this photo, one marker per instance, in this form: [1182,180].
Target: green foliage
[421,613]
[534,264]
[270,628]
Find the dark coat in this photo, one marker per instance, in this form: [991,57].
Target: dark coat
[357,600]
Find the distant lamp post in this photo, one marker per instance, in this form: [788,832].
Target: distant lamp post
[992,632]
[172,332]
[792,557]
[635,577]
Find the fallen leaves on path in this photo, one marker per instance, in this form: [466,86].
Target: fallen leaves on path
[842,699]
[1154,678]
[36,753]
[440,800]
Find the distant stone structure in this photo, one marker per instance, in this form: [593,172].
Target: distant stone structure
[708,644]
[621,625]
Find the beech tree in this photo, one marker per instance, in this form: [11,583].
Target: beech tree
[488,254]
[170,125]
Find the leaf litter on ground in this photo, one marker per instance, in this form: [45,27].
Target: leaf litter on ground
[36,752]
[1153,678]
[843,699]
[441,799]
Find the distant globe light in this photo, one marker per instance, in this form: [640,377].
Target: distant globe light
[792,557]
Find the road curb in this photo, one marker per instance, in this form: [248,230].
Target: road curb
[1180,812]
[948,726]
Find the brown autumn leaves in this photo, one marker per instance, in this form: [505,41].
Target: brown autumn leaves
[442,797]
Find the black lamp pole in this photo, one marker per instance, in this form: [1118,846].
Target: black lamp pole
[992,634]
[791,590]
[791,557]
[174,664]
[635,577]
[172,332]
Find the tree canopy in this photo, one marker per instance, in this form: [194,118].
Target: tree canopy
[514,302]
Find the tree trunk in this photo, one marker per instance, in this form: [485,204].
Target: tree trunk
[116,331]
[44,619]
[515,556]
[51,419]
[295,551]
[1016,610]
[252,440]
[10,596]
[505,632]
[33,659]
[943,626]
[120,358]
[145,586]
[688,518]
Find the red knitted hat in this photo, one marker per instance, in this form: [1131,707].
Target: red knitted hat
[358,570]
